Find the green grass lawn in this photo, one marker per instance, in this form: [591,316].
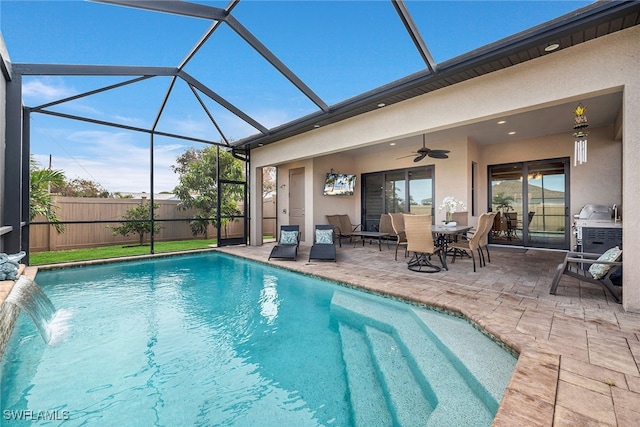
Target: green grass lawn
[54,257]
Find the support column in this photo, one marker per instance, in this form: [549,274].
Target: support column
[16,188]
[255,194]
[630,199]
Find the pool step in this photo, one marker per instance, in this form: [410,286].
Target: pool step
[408,403]
[367,398]
[443,381]
[483,361]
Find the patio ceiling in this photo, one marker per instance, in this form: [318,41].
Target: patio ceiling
[594,20]
[602,111]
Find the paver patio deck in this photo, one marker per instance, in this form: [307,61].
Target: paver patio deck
[579,350]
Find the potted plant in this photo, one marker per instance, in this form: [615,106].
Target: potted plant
[450,205]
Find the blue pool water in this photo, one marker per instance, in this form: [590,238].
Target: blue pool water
[214,340]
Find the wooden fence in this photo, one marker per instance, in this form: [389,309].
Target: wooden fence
[176,227]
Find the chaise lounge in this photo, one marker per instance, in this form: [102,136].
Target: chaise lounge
[324,246]
[287,247]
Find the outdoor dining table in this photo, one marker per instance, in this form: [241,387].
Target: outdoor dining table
[444,234]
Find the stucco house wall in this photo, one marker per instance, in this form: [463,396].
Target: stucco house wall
[605,65]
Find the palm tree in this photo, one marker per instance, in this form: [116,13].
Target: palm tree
[502,202]
[40,200]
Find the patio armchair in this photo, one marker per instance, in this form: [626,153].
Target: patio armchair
[600,269]
[288,242]
[343,227]
[324,245]
[471,244]
[420,242]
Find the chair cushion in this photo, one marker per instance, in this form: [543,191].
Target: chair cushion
[324,236]
[598,271]
[288,237]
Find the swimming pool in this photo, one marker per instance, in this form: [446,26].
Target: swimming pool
[211,339]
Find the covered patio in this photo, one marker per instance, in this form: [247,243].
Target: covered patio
[579,351]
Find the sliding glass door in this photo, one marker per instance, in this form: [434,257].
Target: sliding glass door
[531,199]
[403,190]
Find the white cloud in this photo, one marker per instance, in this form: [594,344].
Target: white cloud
[118,161]
[46,89]
[194,128]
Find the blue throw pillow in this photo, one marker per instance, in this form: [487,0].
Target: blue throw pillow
[288,237]
[324,236]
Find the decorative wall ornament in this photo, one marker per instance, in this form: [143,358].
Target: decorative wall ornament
[580,136]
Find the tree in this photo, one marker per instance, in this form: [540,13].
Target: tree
[79,187]
[268,181]
[141,224]
[40,199]
[502,202]
[198,186]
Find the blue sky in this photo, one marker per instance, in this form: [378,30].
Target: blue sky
[339,49]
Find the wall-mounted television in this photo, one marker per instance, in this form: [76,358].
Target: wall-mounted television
[339,184]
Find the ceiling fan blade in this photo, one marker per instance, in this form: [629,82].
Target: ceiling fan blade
[420,157]
[439,154]
[404,157]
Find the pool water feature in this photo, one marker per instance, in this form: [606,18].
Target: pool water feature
[211,339]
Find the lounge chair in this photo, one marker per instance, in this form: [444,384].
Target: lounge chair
[600,269]
[343,227]
[472,244]
[420,242]
[324,245]
[287,247]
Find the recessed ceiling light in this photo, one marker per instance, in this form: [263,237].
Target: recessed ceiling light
[316,126]
[512,133]
[551,47]
[501,122]
[260,144]
[382,104]
[392,143]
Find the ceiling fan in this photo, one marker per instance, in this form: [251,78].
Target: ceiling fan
[424,152]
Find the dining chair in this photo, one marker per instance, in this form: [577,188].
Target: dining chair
[472,244]
[420,242]
[397,224]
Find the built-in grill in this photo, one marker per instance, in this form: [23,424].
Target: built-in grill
[597,228]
